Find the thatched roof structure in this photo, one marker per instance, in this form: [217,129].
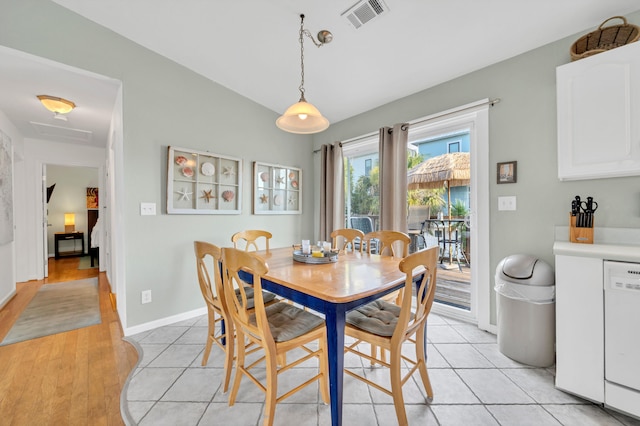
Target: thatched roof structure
[453,169]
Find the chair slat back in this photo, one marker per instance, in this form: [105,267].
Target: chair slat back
[250,237]
[424,290]
[208,257]
[233,260]
[386,240]
[348,236]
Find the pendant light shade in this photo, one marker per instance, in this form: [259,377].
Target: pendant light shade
[302,117]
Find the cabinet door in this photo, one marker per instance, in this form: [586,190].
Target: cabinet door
[580,326]
[598,103]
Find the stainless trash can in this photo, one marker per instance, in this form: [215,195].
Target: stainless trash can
[525,288]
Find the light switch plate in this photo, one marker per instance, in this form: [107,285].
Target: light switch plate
[147,209]
[507,203]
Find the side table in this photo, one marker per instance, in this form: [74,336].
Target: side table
[64,236]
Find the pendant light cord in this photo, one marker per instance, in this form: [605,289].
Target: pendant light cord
[301,88]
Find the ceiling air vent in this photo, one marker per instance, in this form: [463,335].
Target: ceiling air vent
[61,132]
[364,11]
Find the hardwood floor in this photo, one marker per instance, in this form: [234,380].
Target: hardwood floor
[71,378]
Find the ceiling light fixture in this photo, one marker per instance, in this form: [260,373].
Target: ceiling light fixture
[56,105]
[302,117]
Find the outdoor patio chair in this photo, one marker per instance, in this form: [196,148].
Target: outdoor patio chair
[364,224]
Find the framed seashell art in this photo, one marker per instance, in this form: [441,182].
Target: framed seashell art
[200,182]
[276,189]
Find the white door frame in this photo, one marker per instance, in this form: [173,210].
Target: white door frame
[474,116]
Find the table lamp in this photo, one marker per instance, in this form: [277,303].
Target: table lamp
[69,222]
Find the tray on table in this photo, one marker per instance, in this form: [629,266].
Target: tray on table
[329,257]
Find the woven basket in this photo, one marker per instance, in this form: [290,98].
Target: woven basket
[604,38]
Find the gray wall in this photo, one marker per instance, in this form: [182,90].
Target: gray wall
[522,128]
[166,104]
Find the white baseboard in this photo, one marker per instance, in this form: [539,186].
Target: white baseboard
[7,298]
[129,331]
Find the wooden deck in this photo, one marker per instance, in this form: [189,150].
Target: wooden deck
[454,287]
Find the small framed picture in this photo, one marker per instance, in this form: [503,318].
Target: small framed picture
[508,172]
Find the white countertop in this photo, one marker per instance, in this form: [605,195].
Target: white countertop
[621,244]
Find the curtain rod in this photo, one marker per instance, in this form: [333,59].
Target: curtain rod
[356,139]
[490,102]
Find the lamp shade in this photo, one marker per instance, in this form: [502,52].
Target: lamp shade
[303,118]
[55,104]
[69,222]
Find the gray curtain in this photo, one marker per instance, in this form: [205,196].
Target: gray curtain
[331,190]
[393,177]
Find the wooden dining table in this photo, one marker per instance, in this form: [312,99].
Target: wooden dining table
[332,289]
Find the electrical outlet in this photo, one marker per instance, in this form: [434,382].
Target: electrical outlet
[507,203]
[147,209]
[145,296]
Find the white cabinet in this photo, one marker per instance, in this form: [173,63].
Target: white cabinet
[580,326]
[598,100]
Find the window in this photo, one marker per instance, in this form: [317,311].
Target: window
[454,147]
[362,191]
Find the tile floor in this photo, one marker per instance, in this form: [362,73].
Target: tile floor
[474,384]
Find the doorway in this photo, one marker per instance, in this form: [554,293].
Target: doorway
[72,203]
[466,128]
[75,142]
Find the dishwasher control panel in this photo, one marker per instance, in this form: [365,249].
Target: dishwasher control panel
[625,283]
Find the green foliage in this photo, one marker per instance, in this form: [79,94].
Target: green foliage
[365,197]
[427,197]
[413,159]
[459,209]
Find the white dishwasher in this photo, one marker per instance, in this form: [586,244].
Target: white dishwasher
[622,335]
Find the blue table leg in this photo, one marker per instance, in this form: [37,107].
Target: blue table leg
[223,331]
[335,319]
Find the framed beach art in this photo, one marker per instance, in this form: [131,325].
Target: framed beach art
[201,182]
[276,189]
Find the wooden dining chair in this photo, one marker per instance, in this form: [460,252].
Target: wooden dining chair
[386,242]
[250,238]
[390,243]
[388,326]
[278,329]
[344,237]
[208,262]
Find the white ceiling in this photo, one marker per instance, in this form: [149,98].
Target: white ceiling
[23,77]
[252,47]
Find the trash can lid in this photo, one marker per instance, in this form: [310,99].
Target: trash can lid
[525,269]
[519,266]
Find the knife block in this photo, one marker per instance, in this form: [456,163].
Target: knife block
[580,235]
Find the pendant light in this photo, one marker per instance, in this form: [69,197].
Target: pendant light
[302,117]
